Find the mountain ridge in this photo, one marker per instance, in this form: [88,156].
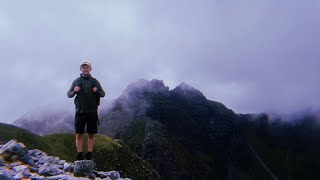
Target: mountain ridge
[183,134]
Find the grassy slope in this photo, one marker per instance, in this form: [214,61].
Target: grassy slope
[110,155]
[31,140]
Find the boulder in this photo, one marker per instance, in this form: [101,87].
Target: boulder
[13,151]
[68,167]
[49,169]
[49,159]
[84,168]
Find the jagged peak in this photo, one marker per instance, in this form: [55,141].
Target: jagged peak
[184,85]
[188,90]
[153,86]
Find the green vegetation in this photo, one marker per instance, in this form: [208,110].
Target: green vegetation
[31,140]
[109,154]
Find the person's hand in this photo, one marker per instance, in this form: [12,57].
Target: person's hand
[95,89]
[76,89]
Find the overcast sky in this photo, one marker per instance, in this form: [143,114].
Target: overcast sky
[253,56]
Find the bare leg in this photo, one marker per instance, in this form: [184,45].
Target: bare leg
[90,142]
[79,141]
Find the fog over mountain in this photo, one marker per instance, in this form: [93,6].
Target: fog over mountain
[259,56]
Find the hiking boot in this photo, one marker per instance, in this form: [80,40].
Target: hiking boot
[89,155]
[80,156]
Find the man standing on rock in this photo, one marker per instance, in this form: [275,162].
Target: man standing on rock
[89,91]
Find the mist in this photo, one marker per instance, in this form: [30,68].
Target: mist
[253,56]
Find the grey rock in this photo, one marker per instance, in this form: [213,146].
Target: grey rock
[30,162]
[62,162]
[37,177]
[26,174]
[68,167]
[107,178]
[44,167]
[35,159]
[39,156]
[15,164]
[18,176]
[60,177]
[114,175]
[103,174]
[33,169]
[23,170]
[12,148]
[6,174]
[109,175]
[84,168]
[66,177]
[49,159]
[48,169]
[35,152]
[60,166]
[56,160]
[20,168]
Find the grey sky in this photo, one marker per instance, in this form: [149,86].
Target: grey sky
[253,56]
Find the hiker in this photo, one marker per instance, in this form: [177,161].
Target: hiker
[89,91]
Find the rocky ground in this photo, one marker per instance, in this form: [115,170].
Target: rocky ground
[17,163]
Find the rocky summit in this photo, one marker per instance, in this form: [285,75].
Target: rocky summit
[17,162]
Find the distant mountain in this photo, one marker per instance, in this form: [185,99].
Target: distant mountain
[184,135]
[53,118]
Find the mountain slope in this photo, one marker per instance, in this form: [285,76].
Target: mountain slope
[30,139]
[182,134]
[190,133]
[289,149]
[109,154]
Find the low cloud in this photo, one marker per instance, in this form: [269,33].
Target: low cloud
[252,56]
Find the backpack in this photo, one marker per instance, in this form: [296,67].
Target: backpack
[92,85]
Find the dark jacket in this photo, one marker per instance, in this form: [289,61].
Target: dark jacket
[86,99]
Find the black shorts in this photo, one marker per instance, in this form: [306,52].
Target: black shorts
[90,119]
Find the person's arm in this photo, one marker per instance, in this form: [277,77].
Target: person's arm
[100,90]
[71,91]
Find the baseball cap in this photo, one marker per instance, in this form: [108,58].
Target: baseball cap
[85,63]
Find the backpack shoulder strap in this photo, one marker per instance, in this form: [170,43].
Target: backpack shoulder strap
[79,81]
[94,80]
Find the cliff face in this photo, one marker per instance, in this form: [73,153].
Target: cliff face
[179,131]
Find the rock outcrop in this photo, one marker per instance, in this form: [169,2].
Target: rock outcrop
[17,162]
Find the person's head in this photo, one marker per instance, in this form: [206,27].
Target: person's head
[85,67]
